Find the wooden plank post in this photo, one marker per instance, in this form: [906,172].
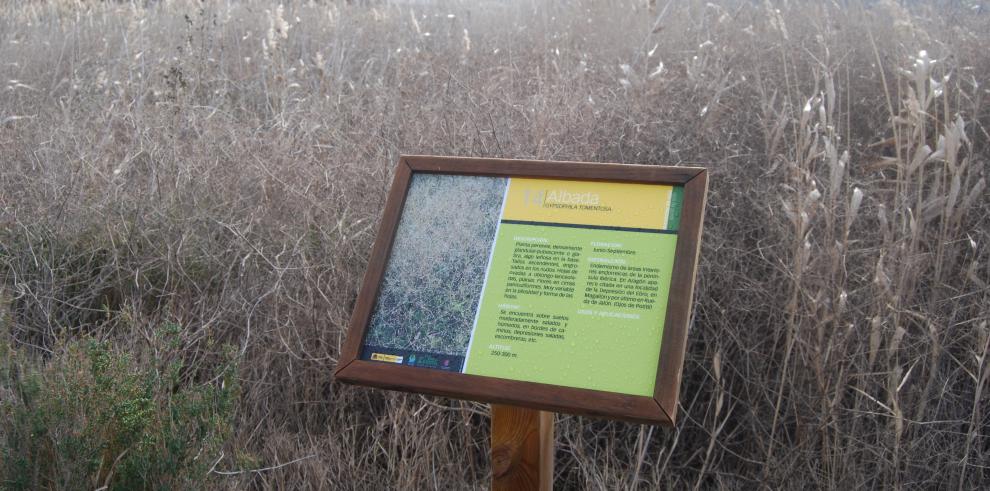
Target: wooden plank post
[522,449]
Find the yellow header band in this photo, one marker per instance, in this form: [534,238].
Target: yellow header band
[625,205]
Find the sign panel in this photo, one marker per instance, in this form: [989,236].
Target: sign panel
[532,283]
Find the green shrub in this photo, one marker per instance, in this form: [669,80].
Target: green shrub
[92,416]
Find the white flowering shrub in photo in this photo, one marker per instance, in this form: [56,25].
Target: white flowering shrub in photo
[436,270]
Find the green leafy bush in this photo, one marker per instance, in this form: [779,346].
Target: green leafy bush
[94,417]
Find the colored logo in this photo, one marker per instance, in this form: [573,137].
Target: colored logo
[386,358]
[412,359]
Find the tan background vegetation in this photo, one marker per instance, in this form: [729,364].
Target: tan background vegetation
[222,166]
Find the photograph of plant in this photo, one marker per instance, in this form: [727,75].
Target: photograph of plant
[435,273]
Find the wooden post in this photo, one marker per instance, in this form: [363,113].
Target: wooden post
[522,449]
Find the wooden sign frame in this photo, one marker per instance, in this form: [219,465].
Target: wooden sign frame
[659,409]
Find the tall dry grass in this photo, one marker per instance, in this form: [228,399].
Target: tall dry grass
[222,166]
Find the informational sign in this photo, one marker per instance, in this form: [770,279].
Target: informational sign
[533,283]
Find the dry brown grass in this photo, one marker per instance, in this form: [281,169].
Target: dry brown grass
[223,166]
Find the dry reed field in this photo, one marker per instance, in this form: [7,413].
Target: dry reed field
[189,192]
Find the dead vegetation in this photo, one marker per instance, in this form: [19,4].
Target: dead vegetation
[221,166]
